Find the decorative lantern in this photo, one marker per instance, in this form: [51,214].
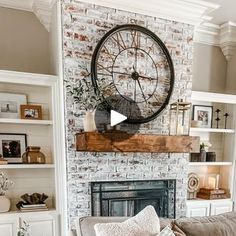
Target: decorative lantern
[180,118]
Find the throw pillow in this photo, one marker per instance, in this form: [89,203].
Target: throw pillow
[166,232]
[145,223]
[220,225]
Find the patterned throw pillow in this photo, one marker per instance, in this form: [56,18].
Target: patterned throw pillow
[166,232]
[145,223]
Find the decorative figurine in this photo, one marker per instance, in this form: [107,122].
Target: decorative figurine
[217,118]
[193,185]
[226,115]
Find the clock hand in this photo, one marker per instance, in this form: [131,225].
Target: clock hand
[146,77]
[142,91]
[120,73]
[135,60]
[135,90]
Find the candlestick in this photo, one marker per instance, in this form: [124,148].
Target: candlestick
[217,118]
[226,115]
[217,181]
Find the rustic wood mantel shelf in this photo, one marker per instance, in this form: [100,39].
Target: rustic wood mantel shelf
[123,142]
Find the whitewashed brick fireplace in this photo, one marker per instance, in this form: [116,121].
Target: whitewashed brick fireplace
[83,25]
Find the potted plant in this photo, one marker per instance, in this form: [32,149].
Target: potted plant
[5,184]
[24,230]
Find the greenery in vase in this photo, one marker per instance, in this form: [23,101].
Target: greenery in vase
[204,145]
[5,184]
[82,92]
[24,230]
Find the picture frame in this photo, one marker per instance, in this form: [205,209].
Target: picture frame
[12,146]
[10,105]
[204,114]
[31,112]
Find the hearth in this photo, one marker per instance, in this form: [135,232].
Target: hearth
[127,198]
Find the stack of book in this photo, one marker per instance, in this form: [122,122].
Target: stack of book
[33,207]
[211,194]
[3,161]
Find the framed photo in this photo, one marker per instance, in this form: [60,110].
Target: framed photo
[32,112]
[10,105]
[203,114]
[12,146]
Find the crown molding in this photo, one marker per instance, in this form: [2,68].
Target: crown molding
[186,11]
[223,36]
[41,8]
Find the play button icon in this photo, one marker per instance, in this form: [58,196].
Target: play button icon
[116,118]
[113,116]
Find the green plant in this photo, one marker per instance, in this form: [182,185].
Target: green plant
[204,145]
[24,230]
[5,184]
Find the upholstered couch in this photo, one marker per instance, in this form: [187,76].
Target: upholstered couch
[221,225]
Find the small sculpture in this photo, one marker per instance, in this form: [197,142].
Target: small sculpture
[193,185]
[35,198]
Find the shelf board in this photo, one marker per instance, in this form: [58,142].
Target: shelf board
[210,163]
[25,121]
[27,166]
[18,212]
[206,200]
[212,130]
[213,97]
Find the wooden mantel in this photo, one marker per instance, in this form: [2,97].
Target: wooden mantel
[123,142]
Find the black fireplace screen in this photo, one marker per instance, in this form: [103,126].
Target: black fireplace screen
[127,198]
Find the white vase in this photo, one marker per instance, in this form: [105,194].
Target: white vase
[5,204]
[88,121]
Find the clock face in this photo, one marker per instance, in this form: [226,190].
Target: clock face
[131,62]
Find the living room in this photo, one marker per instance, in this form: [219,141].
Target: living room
[111,109]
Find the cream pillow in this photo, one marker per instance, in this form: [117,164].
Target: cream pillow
[145,223]
[166,232]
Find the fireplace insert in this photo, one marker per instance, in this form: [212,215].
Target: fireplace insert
[127,198]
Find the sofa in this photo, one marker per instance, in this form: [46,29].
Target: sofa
[221,225]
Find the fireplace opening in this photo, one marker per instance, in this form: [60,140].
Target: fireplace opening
[127,198]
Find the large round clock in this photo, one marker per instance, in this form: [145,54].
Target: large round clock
[133,63]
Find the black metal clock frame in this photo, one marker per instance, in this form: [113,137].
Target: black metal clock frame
[154,37]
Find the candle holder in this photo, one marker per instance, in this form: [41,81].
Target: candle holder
[226,115]
[217,117]
[180,118]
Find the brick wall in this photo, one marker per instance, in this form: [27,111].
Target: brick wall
[83,26]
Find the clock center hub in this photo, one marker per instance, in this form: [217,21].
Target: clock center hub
[135,75]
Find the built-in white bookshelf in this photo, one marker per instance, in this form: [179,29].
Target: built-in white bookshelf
[47,133]
[223,144]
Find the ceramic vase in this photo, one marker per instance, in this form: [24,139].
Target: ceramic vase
[5,204]
[202,155]
[88,121]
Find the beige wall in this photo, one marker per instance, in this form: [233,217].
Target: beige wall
[231,76]
[209,69]
[24,42]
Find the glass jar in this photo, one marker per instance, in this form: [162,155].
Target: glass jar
[33,156]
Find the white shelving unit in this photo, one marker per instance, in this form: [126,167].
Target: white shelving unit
[223,143]
[44,90]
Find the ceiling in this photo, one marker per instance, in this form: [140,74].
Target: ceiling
[226,12]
